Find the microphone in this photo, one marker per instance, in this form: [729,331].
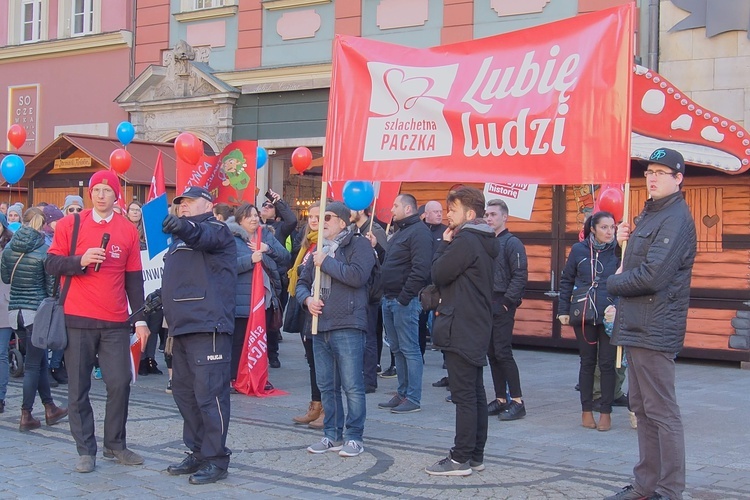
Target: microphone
[105,242]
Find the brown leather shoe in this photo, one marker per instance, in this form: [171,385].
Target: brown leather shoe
[318,422]
[587,420]
[605,422]
[53,414]
[28,422]
[313,412]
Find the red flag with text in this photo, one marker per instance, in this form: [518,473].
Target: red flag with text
[543,105]
[229,177]
[158,186]
[252,373]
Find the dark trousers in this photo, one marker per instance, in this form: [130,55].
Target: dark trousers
[200,386]
[502,364]
[661,439]
[379,333]
[424,331]
[272,337]
[467,390]
[112,345]
[238,341]
[307,342]
[593,342]
[154,321]
[35,375]
[370,361]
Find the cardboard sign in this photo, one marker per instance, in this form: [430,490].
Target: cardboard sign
[518,197]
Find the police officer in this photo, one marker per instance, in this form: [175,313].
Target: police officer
[198,293]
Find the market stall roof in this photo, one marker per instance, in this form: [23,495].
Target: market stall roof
[99,148]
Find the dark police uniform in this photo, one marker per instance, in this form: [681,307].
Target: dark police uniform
[198,288]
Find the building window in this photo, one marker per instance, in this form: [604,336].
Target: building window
[82,18]
[208,4]
[31,20]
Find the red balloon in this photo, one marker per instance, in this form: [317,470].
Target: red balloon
[120,161]
[301,159]
[612,200]
[17,135]
[188,147]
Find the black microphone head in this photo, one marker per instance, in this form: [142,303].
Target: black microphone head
[105,239]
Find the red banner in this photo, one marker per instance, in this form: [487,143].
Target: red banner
[543,105]
[230,177]
[158,187]
[252,373]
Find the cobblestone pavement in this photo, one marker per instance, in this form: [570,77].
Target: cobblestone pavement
[546,455]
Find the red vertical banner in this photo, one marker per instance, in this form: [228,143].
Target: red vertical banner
[158,186]
[230,177]
[252,373]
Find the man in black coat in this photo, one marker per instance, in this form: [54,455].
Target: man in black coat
[653,284]
[462,271]
[405,270]
[510,277]
[198,292]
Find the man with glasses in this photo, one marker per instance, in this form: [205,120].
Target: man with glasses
[345,263]
[102,283]
[73,204]
[277,214]
[653,284]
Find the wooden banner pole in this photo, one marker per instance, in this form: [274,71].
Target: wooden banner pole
[316,281]
[625,218]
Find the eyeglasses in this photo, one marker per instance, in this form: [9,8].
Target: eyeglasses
[328,217]
[267,204]
[74,209]
[657,173]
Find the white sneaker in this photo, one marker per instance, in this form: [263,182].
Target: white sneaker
[351,449]
[324,445]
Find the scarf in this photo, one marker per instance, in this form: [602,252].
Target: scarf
[329,249]
[307,246]
[601,247]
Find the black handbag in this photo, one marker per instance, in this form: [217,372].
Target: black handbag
[293,317]
[583,306]
[48,330]
[429,297]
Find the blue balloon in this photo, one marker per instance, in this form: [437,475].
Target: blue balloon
[125,132]
[358,195]
[261,157]
[13,168]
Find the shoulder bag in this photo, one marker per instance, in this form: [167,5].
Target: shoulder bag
[49,330]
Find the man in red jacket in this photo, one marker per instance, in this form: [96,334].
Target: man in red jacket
[102,282]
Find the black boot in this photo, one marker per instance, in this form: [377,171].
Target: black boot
[153,368]
[143,367]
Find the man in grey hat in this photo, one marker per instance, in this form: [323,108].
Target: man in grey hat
[199,309]
[653,284]
[346,261]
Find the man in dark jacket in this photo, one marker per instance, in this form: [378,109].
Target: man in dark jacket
[653,284]
[277,214]
[405,270]
[345,262]
[462,271]
[198,292]
[510,276]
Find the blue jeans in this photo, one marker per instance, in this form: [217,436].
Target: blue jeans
[5,334]
[401,325]
[338,365]
[35,374]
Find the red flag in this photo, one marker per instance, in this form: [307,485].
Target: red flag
[252,374]
[157,181]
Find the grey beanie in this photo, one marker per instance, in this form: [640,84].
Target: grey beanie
[72,199]
[17,208]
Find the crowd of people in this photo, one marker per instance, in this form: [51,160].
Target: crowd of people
[370,284]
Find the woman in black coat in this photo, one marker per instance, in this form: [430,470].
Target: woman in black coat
[583,299]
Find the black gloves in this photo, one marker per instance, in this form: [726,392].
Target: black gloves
[172,224]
